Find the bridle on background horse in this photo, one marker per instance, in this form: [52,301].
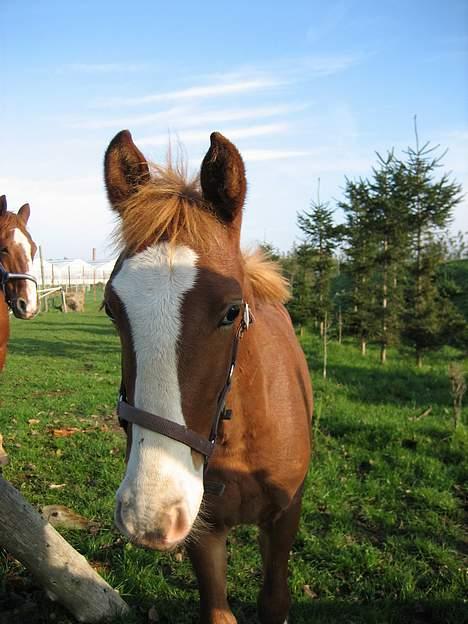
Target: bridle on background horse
[129,414]
[7,276]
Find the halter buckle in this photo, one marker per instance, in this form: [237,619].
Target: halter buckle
[226,414]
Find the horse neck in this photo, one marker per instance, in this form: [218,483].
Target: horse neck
[4,329]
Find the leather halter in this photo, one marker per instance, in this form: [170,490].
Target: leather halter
[129,414]
[6,276]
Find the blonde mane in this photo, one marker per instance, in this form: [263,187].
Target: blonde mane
[169,205]
[268,284]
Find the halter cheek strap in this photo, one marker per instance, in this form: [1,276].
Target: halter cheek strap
[128,413]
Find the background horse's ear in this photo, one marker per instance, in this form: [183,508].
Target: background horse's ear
[222,178]
[24,213]
[3,205]
[125,168]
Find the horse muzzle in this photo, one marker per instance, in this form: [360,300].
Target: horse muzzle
[23,309]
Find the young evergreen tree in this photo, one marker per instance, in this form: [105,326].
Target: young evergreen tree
[320,237]
[430,200]
[270,251]
[361,252]
[298,268]
[388,218]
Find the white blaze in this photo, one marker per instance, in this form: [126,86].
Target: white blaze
[160,471]
[31,291]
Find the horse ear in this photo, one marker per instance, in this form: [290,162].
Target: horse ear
[3,205]
[222,178]
[24,213]
[125,168]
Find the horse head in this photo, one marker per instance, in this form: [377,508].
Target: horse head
[177,296]
[17,250]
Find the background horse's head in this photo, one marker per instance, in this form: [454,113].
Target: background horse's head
[175,296]
[17,250]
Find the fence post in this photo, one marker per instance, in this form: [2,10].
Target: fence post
[41,258]
[64,301]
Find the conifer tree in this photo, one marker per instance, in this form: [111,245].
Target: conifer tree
[361,252]
[298,268]
[430,201]
[320,237]
[388,217]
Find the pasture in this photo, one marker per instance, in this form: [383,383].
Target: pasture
[382,534]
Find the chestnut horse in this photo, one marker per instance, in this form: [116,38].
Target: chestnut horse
[17,286]
[185,302]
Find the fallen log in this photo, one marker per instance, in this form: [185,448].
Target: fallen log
[58,567]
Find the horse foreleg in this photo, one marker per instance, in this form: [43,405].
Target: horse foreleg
[3,352]
[276,540]
[208,557]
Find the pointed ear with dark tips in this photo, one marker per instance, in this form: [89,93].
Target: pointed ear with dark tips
[3,205]
[222,177]
[125,168]
[24,212]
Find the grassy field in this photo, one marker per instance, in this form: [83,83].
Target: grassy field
[381,538]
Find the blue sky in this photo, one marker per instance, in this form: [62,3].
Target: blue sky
[304,89]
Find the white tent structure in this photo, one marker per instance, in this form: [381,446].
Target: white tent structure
[72,272]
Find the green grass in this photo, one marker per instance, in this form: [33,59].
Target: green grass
[381,539]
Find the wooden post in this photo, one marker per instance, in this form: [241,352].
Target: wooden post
[340,324]
[64,300]
[41,258]
[325,344]
[57,566]
[53,275]
[93,254]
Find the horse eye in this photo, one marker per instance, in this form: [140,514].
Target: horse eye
[231,315]
[108,311]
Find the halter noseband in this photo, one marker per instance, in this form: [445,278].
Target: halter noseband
[6,276]
[128,413]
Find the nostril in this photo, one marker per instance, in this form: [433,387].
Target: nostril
[22,305]
[179,524]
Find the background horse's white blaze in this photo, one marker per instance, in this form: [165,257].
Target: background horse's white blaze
[30,287]
[162,490]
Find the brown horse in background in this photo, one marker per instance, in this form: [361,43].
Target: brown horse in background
[17,250]
[185,302]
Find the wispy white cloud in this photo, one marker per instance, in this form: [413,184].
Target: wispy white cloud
[197,136]
[180,116]
[196,92]
[317,67]
[273,154]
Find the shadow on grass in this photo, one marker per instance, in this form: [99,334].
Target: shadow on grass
[379,386]
[327,612]
[385,612]
[60,348]
[76,325]
[35,608]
